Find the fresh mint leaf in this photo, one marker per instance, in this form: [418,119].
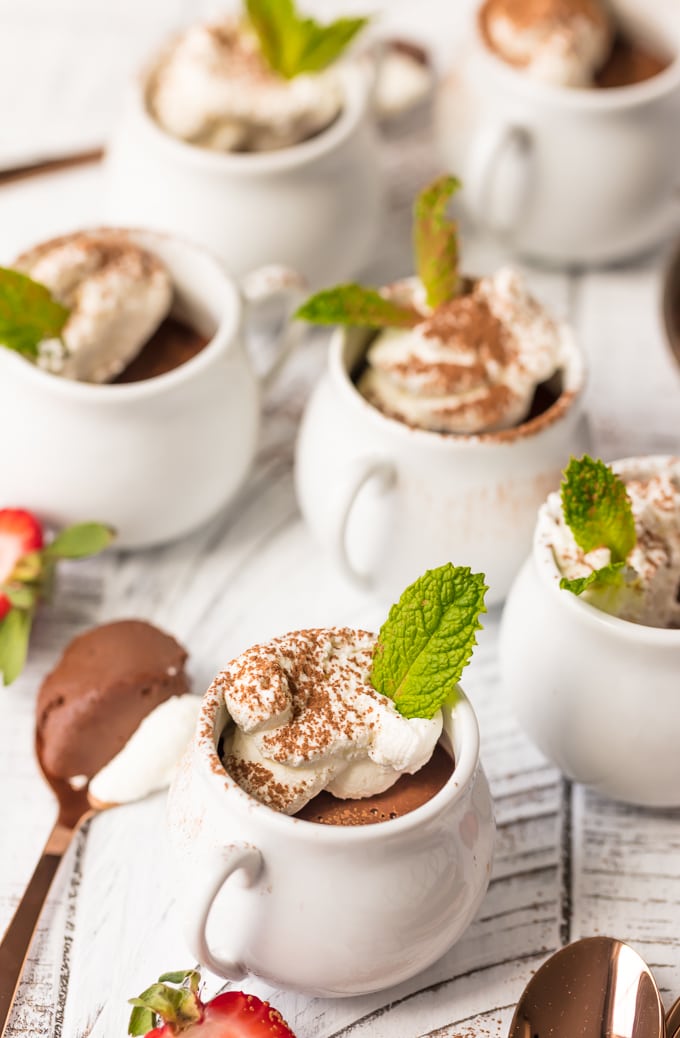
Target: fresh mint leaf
[360,307]
[79,541]
[293,44]
[15,631]
[435,241]
[597,508]
[606,576]
[28,313]
[428,638]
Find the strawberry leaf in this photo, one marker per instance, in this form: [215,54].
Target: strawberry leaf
[142,1020]
[292,44]
[360,307]
[435,241]
[21,596]
[15,631]
[79,541]
[427,640]
[28,313]
[597,508]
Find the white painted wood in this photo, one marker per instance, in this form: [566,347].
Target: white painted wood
[567,864]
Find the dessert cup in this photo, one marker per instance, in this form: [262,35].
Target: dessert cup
[568,175]
[315,206]
[597,694]
[324,909]
[155,458]
[390,501]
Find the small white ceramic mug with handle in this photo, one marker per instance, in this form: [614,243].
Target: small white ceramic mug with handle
[600,696]
[155,458]
[327,909]
[568,175]
[315,206]
[389,501]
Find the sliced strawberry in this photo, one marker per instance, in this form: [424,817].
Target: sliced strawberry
[182,1012]
[20,533]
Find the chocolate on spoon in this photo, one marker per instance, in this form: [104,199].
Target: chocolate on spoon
[597,987]
[90,709]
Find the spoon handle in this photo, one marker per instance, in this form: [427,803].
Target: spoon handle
[17,940]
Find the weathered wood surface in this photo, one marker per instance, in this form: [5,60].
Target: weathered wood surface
[567,863]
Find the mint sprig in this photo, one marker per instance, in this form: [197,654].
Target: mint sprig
[427,640]
[598,511]
[293,44]
[28,313]
[32,581]
[435,241]
[357,306]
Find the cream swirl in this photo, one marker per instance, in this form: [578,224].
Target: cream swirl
[560,42]
[306,718]
[213,88]
[472,366]
[117,292]
[653,596]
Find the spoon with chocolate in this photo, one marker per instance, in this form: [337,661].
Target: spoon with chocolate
[112,720]
[597,987]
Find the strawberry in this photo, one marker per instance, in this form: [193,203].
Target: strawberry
[27,571]
[20,533]
[164,1010]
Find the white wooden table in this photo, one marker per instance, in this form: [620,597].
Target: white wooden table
[567,863]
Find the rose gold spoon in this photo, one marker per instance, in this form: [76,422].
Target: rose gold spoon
[75,808]
[673,1020]
[594,988]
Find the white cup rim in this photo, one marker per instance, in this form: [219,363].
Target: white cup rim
[356,96]
[586,99]
[204,757]
[574,372]
[612,626]
[222,340]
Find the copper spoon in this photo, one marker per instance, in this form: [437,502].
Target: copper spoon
[75,808]
[673,1020]
[594,988]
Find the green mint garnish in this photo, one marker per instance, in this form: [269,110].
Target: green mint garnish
[357,306]
[598,512]
[28,313]
[435,240]
[79,541]
[427,640]
[15,631]
[291,43]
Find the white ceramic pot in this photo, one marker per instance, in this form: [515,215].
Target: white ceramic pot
[154,458]
[389,501]
[315,207]
[328,910]
[598,695]
[570,176]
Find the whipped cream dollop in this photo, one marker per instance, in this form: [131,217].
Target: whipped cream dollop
[306,718]
[653,597]
[472,366]
[560,42]
[117,292]
[149,758]
[213,88]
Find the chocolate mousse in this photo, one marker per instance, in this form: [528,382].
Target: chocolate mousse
[119,296]
[172,345]
[570,43]
[407,794]
[106,682]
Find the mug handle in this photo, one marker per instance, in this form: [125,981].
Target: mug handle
[497,187]
[361,473]
[203,892]
[269,283]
